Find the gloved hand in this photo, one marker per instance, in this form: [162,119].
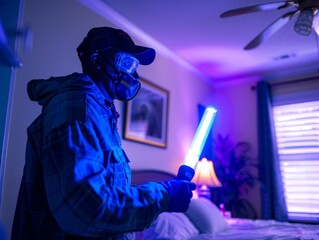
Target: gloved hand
[180,194]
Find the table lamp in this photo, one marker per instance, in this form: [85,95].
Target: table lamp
[205,178]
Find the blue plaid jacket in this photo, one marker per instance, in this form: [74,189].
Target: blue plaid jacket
[76,179]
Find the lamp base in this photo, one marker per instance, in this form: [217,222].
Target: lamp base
[204,191]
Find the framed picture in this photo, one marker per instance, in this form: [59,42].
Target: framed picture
[146,115]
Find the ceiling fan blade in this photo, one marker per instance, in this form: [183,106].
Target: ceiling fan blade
[271,29]
[256,8]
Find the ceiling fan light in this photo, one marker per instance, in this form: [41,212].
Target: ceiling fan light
[303,24]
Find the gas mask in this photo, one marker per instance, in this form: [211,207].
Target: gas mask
[121,67]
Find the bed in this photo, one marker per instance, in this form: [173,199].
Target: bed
[204,221]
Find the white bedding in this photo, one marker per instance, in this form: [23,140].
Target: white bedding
[203,221]
[267,229]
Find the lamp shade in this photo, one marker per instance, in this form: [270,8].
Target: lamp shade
[205,174]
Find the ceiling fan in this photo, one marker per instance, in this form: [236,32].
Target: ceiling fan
[307,19]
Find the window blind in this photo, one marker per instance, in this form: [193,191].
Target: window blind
[297,136]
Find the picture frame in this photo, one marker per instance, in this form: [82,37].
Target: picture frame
[146,115]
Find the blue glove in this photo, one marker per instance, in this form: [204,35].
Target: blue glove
[180,194]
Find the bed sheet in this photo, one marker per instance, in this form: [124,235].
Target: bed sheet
[267,229]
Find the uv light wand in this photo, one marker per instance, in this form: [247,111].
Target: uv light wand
[187,170]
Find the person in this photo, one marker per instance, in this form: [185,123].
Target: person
[76,178]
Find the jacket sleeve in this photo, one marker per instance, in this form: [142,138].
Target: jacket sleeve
[78,195]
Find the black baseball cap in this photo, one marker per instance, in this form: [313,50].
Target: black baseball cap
[116,39]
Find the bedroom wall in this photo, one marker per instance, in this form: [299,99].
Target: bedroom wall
[237,117]
[237,113]
[58,27]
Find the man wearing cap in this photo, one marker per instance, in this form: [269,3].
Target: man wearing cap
[76,179]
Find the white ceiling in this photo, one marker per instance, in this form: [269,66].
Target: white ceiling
[193,33]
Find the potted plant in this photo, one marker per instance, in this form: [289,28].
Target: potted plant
[234,168]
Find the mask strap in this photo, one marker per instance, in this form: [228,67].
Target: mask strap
[103,64]
[111,71]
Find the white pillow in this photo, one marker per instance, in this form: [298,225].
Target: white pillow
[206,217]
[170,226]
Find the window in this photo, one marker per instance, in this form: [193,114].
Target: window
[297,136]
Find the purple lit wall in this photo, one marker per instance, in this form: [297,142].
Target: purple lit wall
[237,116]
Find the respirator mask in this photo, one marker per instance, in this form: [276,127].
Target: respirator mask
[121,67]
